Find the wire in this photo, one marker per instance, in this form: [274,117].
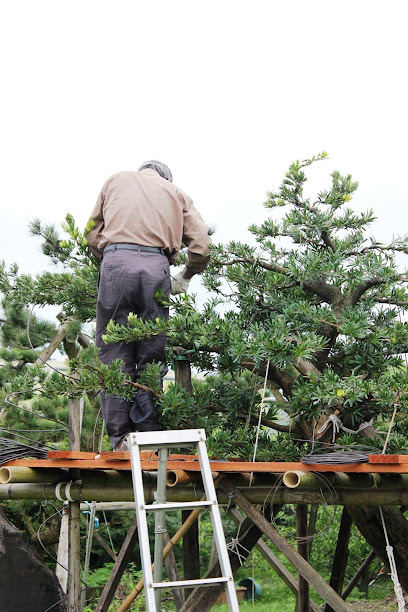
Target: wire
[333,458]
[41,416]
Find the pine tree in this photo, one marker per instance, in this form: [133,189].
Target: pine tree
[317,307]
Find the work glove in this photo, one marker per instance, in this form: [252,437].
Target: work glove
[179,284]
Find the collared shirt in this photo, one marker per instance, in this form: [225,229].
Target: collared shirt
[143,208]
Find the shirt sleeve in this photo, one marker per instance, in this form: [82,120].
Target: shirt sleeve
[196,239]
[94,235]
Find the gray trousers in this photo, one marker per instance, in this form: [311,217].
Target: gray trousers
[128,281]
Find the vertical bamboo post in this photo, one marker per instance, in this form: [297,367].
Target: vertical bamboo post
[74,546]
[191,547]
[303,602]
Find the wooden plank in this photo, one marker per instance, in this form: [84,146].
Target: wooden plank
[56,455]
[388,458]
[219,466]
[106,456]
[302,566]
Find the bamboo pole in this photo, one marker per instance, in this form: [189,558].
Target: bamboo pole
[26,474]
[20,474]
[294,479]
[256,495]
[166,551]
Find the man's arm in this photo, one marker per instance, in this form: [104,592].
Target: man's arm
[197,241]
[94,235]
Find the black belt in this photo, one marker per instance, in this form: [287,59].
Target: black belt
[132,247]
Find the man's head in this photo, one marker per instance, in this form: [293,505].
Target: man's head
[160,168]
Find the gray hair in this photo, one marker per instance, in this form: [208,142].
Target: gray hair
[160,168]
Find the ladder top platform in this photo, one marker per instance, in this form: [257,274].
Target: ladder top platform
[121,461]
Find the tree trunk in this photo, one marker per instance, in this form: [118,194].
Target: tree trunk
[369,524]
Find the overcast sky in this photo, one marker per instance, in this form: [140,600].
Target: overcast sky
[227,93]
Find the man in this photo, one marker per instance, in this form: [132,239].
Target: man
[140,220]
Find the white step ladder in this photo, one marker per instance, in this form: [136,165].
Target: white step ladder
[163,441]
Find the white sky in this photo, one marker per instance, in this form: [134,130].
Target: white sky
[227,93]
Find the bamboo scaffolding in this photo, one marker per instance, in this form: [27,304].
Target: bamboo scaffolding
[257,495]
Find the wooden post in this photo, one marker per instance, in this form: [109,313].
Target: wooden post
[359,573]
[74,514]
[274,562]
[191,546]
[303,603]
[173,574]
[52,347]
[314,579]
[340,555]
[61,570]
[312,527]
[203,599]
[118,569]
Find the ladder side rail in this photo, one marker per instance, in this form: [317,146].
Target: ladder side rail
[142,524]
[218,530]
[160,521]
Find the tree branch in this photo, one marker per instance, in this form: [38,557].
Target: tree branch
[254,420]
[328,293]
[328,241]
[356,294]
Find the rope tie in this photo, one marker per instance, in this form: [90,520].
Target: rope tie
[234,547]
[338,425]
[393,567]
[259,421]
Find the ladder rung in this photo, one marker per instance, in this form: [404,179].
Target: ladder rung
[190,583]
[164,439]
[178,506]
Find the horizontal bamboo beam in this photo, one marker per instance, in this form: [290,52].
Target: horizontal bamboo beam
[256,495]
[26,474]
[17,474]
[312,480]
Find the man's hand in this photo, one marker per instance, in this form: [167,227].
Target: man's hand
[179,284]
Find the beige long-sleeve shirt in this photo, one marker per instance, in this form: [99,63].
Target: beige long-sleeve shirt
[143,208]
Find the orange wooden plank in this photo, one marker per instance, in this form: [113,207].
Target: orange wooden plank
[218,466]
[70,455]
[388,458]
[125,456]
